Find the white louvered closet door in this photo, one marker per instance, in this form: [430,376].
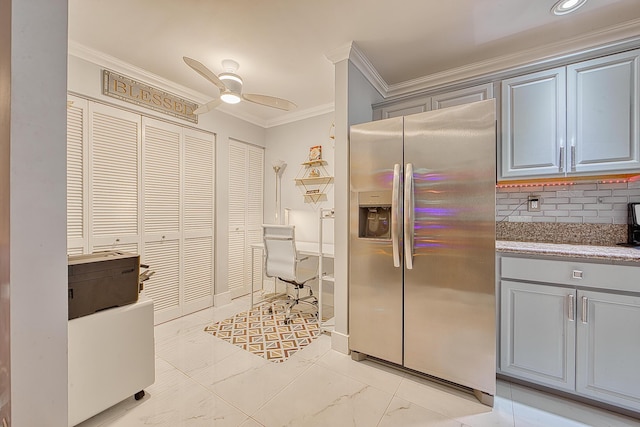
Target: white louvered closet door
[114,177]
[198,214]
[246,166]
[77,119]
[161,197]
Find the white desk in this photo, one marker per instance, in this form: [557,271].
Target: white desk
[304,248]
[311,248]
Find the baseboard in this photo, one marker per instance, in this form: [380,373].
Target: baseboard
[340,342]
[221,299]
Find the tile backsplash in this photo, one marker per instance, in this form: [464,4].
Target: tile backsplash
[581,213]
[580,203]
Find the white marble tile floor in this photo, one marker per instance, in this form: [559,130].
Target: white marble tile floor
[204,381]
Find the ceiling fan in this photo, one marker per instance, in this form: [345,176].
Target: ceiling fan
[230,85]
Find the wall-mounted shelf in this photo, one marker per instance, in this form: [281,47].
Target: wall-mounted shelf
[313,180]
[315,163]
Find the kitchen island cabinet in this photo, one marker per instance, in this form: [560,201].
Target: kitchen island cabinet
[571,324]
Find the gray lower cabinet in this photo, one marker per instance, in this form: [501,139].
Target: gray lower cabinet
[557,330]
[537,335]
[608,347]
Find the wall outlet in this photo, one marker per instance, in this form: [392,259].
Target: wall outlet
[534,203]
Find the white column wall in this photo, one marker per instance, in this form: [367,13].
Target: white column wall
[353,99]
[38,264]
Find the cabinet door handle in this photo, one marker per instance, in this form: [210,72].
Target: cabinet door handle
[571,308]
[585,305]
[573,157]
[561,159]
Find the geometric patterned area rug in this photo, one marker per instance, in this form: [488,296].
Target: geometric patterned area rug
[266,334]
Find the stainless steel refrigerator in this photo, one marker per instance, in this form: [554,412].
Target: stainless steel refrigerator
[422,243]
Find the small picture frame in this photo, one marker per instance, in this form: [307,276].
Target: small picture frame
[315,153]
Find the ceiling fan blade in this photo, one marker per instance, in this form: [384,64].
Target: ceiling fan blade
[204,72]
[205,108]
[270,101]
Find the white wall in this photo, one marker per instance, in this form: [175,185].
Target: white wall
[291,142]
[38,264]
[85,79]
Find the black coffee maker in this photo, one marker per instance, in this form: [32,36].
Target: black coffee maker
[634,224]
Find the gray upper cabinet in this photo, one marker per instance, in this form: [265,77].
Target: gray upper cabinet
[582,119]
[435,102]
[462,96]
[533,124]
[404,108]
[603,115]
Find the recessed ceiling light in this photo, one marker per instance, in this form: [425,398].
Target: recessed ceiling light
[562,7]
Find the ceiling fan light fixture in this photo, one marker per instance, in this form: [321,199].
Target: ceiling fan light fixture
[230,97]
[562,7]
[233,83]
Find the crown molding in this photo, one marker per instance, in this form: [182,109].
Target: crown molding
[102,59]
[363,64]
[301,115]
[605,41]
[354,54]
[239,114]
[340,53]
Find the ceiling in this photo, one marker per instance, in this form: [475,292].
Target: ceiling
[281,45]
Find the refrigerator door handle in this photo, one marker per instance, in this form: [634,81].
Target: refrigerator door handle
[395,207]
[408,216]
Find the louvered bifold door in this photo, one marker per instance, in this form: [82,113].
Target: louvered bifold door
[255,209]
[161,206]
[77,119]
[198,214]
[237,218]
[113,190]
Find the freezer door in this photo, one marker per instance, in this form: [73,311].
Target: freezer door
[449,314]
[375,284]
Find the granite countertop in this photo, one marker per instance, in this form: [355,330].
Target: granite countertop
[612,253]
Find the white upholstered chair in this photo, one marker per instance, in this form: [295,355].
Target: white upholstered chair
[283,262]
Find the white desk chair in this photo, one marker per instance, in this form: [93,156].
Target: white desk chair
[283,262]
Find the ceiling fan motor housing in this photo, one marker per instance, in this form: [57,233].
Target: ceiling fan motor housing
[233,82]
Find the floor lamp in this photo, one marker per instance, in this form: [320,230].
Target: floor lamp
[278,167]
